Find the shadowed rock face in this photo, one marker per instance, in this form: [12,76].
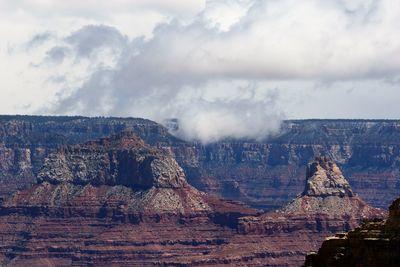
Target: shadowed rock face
[374,243]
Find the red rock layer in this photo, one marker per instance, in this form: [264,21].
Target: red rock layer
[145,213]
[80,241]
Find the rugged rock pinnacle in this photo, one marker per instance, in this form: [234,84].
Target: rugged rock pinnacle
[324,178]
[327,191]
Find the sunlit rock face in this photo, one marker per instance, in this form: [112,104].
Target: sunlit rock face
[324,178]
[117,201]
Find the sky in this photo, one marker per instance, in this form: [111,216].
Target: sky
[232,68]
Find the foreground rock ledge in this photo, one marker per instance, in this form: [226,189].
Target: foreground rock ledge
[375,243]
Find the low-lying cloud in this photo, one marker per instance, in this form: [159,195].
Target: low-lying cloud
[206,71]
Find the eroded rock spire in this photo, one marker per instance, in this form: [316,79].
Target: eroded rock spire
[324,178]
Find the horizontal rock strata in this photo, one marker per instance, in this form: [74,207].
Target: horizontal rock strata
[265,174]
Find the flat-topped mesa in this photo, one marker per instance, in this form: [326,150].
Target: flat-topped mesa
[123,159]
[119,175]
[324,178]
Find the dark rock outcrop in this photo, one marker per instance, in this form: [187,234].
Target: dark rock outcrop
[374,243]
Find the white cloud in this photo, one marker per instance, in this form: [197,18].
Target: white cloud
[231,70]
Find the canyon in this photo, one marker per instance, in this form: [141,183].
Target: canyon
[263,174]
[119,201]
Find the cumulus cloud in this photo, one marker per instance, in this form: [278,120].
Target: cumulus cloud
[222,72]
[90,38]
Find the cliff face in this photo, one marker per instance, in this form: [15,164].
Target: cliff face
[375,243]
[117,201]
[270,173]
[112,172]
[25,142]
[264,174]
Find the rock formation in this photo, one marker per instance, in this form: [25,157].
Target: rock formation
[374,243]
[327,205]
[121,171]
[117,201]
[265,174]
[324,179]
[328,192]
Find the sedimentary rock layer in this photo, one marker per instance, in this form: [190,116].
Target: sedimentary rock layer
[264,174]
[117,201]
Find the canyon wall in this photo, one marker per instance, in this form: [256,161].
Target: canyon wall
[265,174]
[119,201]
